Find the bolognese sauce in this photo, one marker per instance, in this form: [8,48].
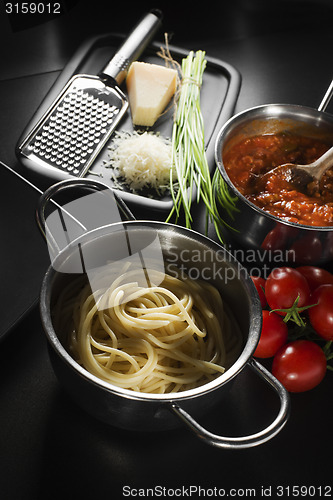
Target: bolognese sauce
[247,162]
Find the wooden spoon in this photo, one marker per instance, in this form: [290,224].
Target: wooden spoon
[301,175]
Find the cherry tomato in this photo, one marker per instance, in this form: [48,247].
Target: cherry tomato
[274,241]
[274,333]
[283,286]
[307,250]
[259,283]
[315,276]
[299,365]
[328,249]
[321,315]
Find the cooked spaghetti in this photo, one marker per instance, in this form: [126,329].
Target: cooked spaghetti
[161,338]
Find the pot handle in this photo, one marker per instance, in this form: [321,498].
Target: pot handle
[250,440]
[53,190]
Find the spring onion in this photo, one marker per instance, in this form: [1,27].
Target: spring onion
[188,147]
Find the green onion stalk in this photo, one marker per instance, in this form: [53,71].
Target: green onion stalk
[188,148]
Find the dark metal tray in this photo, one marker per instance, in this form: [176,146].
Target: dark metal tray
[221,84]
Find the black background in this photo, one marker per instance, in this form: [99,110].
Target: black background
[48,447]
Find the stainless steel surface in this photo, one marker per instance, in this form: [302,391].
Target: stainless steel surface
[140,411]
[71,134]
[252,226]
[326,99]
[46,198]
[245,441]
[132,47]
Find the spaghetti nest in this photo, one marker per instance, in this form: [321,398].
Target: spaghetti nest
[162,338]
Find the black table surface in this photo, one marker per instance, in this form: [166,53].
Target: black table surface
[49,448]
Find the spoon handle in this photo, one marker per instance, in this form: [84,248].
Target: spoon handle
[322,164]
[327,97]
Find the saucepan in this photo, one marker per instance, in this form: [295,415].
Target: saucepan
[261,236]
[133,410]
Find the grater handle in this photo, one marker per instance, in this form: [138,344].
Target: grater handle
[133,46]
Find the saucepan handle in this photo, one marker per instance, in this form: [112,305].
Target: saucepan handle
[53,190]
[249,440]
[327,98]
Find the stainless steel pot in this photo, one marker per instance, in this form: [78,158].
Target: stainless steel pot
[139,411]
[262,236]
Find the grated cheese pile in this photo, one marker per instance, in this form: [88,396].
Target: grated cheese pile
[143,160]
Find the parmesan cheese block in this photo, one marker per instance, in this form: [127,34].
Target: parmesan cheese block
[150,88]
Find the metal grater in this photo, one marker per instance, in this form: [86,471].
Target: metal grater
[73,131]
[72,135]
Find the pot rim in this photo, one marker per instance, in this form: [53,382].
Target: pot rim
[237,366]
[261,109]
